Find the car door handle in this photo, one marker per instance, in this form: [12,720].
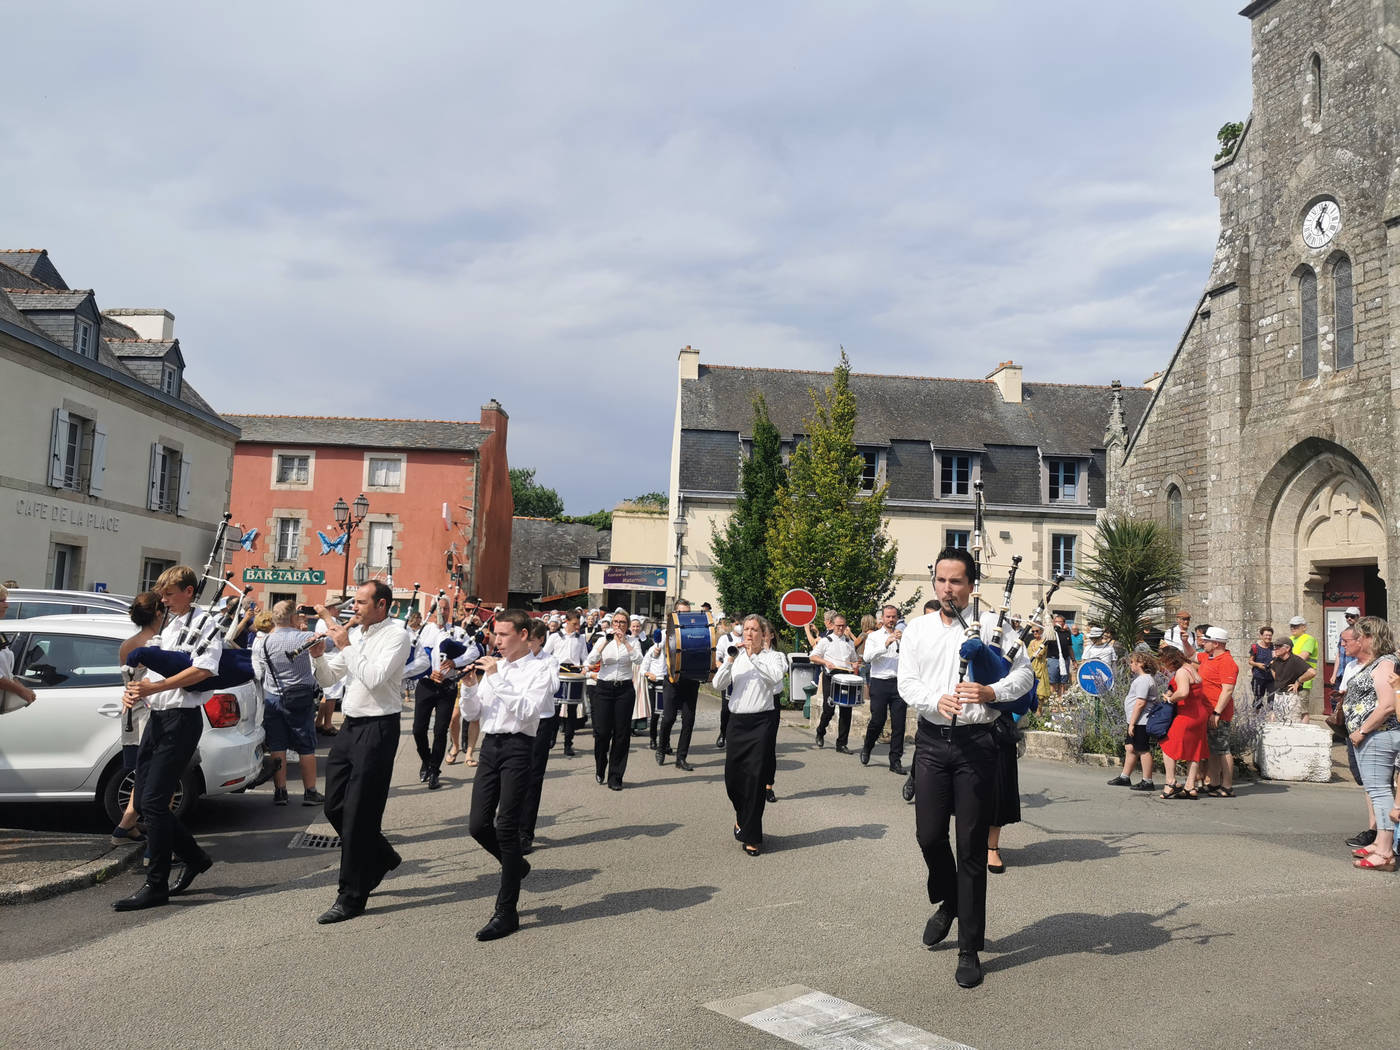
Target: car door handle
[110,710]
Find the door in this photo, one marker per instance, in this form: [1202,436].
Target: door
[1347,585]
[59,741]
[65,567]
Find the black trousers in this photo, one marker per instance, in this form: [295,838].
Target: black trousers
[566,717]
[539,761]
[680,697]
[358,771]
[432,700]
[956,773]
[746,753]
[612,728]
[843,723]
[498,796]
[724,712]
[770,757]
[167,746]
[884,698]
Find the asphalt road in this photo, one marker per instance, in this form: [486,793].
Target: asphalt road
[1123,920]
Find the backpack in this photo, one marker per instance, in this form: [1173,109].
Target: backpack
[1159,719]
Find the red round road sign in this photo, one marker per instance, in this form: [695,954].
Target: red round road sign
[799,607]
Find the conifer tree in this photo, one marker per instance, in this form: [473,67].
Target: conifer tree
[826,533]
[740,551]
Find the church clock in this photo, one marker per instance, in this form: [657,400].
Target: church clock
[1321,223]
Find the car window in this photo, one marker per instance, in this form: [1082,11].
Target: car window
[70,661]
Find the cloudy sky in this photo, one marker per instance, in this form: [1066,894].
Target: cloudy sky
[404,210]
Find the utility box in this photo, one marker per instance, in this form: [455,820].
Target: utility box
[801,674]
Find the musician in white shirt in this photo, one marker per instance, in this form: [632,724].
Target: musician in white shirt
[835,654]
[435,697]
[680,697]
[571,649]
[755,672]
[614,656]
[882,657]
[370,655]
[653,674]
[955,758]
[514,693]
[543,740]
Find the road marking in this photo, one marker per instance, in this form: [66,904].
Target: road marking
[780,904]
[823,1022]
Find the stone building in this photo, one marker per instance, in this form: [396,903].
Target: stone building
[1269,445]
[550,560]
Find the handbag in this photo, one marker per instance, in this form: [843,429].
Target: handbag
[297,699]
[1159,719]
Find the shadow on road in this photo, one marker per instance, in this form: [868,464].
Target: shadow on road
[1079,933]
[1055,851]
[827,792]
[824,836]
[660,898]
[626,831]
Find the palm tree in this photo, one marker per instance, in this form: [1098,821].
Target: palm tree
[1134,569]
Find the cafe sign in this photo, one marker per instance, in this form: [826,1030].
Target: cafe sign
[314,577]
[634,577]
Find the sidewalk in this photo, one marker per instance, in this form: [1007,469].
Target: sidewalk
[39,864]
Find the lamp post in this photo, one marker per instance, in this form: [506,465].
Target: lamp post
[349,520]
[679,526]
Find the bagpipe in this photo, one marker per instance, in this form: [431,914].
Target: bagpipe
[235,665]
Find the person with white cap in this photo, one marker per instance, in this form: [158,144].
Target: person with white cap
[1097,647]
[1304,645]
[1219,673]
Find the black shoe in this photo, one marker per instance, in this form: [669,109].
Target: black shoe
[146,897]
[969,973]
[660,757]
[394,861]
[569,752]
[937,927]
[190,873]
[907,791]
[719,742]
[423,773]
[598,777]
[434,780]
[864,755]
[279,796]
[821,740]
[614,787]
[339,912]
[684,766]
[653,743]
[1120,781]
[312,797]
[499,926]
[896,766]
[1143,785]
[1362,838]
[770,797]
[527,846]
[842,749]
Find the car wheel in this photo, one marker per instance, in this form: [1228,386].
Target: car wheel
[116,792]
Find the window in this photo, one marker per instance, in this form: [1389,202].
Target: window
[288,539]
[76,445]
[1341,313]
[170,380]
[65,661]
[1307,301]
[381,535]
[293,470]
[1175,523]
[83,341]
[151,568]
[67,562]
[1315,74]
[77,453]
[869,471]
[956,538]
[1064,480]
[955,475]
[1062,555]
[385,473]
[165,479]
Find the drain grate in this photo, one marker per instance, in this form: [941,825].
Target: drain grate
[305,840]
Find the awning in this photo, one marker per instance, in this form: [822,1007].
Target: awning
[567,594]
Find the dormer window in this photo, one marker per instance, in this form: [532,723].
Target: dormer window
[170,380]
[1064,480]
[83,341]
[870,469]
[957,470]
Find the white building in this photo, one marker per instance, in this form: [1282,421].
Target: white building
[113,468]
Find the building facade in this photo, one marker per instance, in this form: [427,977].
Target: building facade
[1269,447]
[1038,449]
[113,467]
[439,506]
[550,560]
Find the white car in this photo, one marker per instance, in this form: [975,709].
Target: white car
[67,744]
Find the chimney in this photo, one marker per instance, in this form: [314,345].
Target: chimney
[1153,381]
[689,363]
[1007,377]
[494,416]
[149,323]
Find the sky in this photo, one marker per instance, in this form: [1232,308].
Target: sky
[406,210]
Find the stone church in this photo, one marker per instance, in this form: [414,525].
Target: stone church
[1269,447]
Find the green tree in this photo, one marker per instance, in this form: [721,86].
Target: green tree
[652,499]
[599,519]
[740,552]
[827,533]
[532,500]
[1133,570]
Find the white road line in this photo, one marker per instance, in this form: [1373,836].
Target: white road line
[781,904]
[822,1022]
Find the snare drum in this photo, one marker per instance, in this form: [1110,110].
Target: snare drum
[570,688]
[656,695]
[846,690]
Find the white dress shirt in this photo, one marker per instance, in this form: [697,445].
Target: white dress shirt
[515,698]
[337,689]
[373,666]
[654,663]
[571,649]
[617,658]
[838,651]
[200,625]
[882,654]
[754,678]
[928,669]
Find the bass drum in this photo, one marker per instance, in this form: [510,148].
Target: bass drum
[690,646]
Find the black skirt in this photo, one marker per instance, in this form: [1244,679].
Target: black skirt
[746,751]
[1008,807]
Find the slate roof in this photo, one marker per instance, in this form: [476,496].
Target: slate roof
[362,433]
[35,262]
[905,415]
[48,298]
[9,312]
[154,348]
[539,542]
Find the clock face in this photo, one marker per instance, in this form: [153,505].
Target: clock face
[1321,223]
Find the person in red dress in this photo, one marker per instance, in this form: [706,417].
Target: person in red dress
[1186,740]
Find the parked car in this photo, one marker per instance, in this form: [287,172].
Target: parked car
[26,603]
[67,744]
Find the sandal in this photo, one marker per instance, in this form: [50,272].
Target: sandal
[1190,794]
[1370,863]
[471,761]
[453,756]
[1222,792]
[1171,791]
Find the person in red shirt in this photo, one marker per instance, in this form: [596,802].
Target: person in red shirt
[1219,673]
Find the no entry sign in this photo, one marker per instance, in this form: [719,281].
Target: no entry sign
[799,607]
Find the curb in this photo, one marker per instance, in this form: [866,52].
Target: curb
[113,862]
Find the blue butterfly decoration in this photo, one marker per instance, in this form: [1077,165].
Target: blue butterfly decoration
[335,546]
[246,540]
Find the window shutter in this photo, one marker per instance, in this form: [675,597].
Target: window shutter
[153,494]
[99,459]
[58,447]
[183,507]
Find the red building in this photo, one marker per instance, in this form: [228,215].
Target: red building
[438,495]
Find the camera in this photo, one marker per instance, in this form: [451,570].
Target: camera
[306,610]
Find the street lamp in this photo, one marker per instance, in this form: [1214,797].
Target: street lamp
[348,524]
[679,526]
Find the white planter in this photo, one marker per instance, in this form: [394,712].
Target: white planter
[1298,751]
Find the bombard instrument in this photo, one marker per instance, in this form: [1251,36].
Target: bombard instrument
[1020,641]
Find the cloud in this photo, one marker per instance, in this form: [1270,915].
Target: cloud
[403,213]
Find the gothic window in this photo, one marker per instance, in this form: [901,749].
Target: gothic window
[1341,313]
[1175,527]
[1307,300]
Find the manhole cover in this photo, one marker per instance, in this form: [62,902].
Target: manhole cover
[303,840]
